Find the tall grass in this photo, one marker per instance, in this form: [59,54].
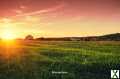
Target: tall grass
[82,60]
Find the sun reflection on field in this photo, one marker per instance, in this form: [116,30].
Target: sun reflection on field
[10,49]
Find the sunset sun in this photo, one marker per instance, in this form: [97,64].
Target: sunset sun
[7,35]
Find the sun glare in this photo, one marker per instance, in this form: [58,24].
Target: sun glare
[7,35]
[9,46]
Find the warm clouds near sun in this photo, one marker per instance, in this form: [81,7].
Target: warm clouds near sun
[14,28]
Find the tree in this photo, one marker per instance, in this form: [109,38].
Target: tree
[29,37]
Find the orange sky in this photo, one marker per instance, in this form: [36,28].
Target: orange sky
[58,18]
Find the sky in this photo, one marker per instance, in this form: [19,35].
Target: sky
[59,18]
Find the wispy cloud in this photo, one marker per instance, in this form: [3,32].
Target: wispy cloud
[54,8]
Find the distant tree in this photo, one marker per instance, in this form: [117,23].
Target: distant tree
[41,38]
[29,37]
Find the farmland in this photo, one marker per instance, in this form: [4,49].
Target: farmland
[80,59]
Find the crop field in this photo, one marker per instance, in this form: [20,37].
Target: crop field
[59,59]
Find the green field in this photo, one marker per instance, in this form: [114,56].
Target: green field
[81,60]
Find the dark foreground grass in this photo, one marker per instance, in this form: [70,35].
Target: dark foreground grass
[81,60]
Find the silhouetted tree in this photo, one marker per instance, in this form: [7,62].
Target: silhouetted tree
[29,37]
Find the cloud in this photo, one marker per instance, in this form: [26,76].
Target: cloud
[41,11]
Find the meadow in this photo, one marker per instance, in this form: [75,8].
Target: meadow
[80,59]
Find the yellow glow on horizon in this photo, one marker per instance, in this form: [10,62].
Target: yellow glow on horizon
[36,26]
[7,35]
[7,30]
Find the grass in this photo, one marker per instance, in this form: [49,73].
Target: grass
[82,60]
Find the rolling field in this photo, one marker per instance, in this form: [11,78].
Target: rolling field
[39,59]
